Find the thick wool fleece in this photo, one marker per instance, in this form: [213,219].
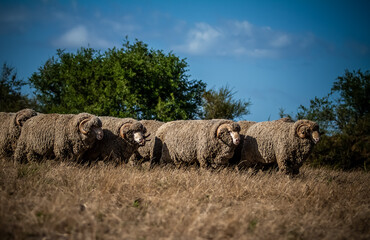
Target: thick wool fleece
[10,129]
[48,136]
[114,148]
[277,142]
[194,141]
[145,153]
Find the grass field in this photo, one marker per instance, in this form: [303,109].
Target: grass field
[54,200]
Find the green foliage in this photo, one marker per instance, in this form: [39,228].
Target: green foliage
[11,98]
[133,81]
[344,117]
[220,104]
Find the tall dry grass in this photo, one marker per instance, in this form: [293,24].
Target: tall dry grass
[53,200]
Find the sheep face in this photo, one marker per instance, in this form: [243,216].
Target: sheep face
[139,138]
[308,130]
[91,128]
[133,133]
[229,133]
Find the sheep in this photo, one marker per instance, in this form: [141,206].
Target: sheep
[122,137]
[10,129]
[244,126]
[208,143]
[283,141]
[59,136]
[145,153]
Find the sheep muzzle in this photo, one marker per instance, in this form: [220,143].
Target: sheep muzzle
[138,137]
[99,133]
[236,137]
[315,137]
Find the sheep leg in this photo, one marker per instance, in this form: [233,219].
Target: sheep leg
[285,166]
[20,155]
[32,156]
[157,152]
[138,159]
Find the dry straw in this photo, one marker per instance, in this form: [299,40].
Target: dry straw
[60,200]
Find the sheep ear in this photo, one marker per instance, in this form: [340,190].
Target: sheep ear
[301,130]
[124,129]
[81,126]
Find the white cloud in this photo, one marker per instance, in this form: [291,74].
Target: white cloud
[79,36]
[75,37]
[242,38]
[241,28]
[201,39]
[280,40]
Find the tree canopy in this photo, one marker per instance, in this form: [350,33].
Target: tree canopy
[132,81]
[11,98]
[220,104]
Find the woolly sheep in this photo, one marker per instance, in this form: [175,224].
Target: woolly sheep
[145,153]
[10,129]
[283,141]
[60,136]
[244,126]
[122,137]
[209,143]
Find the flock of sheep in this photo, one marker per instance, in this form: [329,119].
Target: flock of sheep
[30,136]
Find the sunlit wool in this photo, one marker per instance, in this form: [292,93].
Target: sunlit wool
[208,143]
[283,141]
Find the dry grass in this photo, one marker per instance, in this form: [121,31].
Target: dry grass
[64,201]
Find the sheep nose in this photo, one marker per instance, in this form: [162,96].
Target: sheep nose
[237,141]
[141,141]
[315,136]
[99,134]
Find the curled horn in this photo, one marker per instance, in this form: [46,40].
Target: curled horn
[301,130]
[122,131]
[18,122]
[81,126]
[222,126]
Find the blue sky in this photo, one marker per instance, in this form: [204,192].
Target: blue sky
[277,54]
